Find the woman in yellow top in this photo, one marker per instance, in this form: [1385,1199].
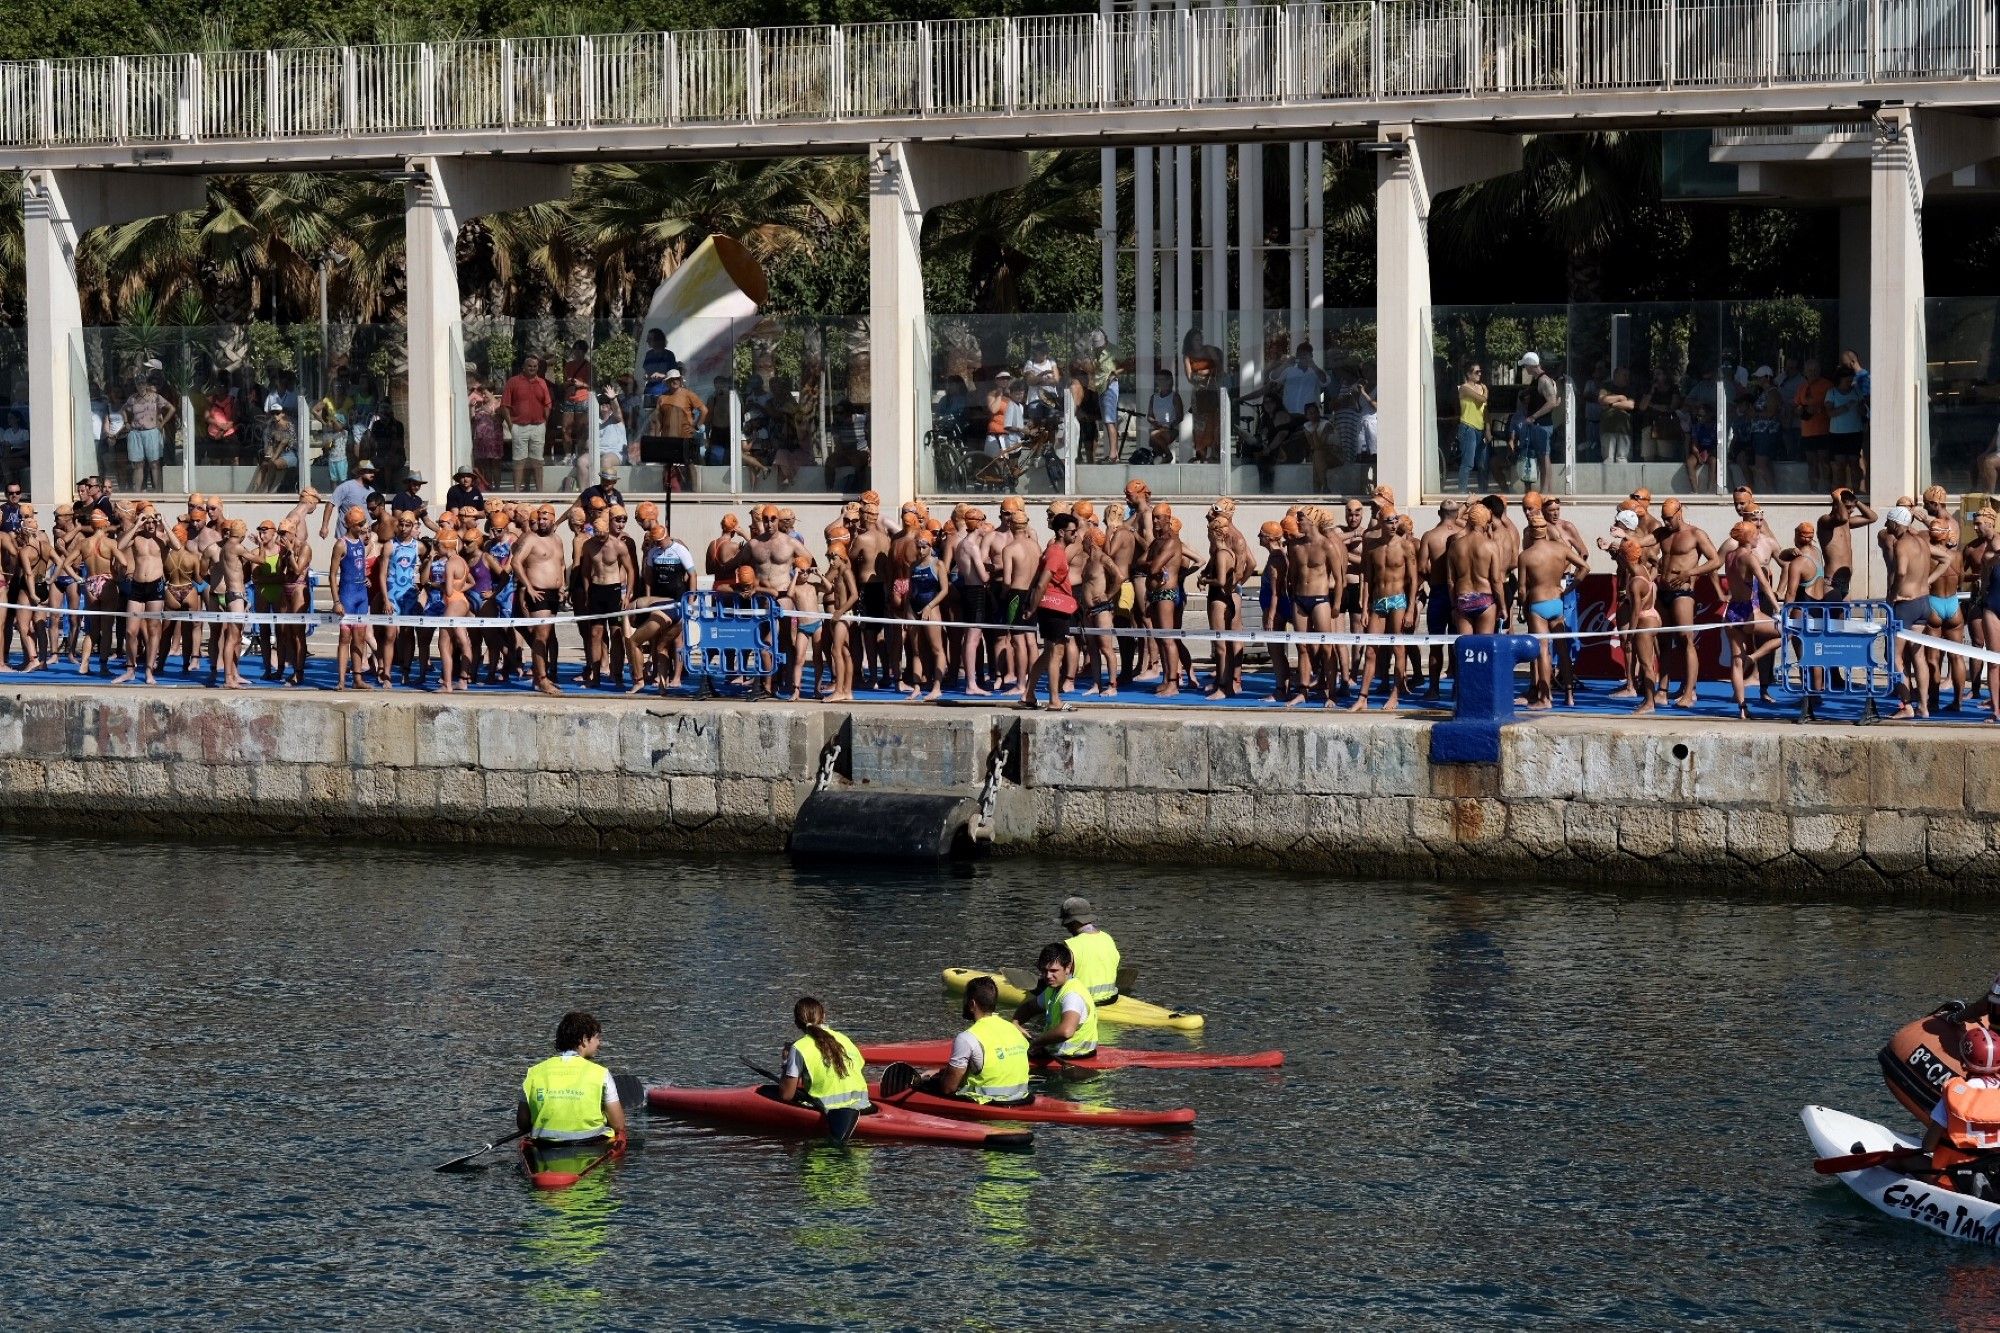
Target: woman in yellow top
[823,1069]
[1472,447]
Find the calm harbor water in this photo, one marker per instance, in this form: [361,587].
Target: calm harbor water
[233,1068]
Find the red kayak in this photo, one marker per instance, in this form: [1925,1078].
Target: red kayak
[1050,1109]
[758,1108]
[1107,1057]
[557,1166]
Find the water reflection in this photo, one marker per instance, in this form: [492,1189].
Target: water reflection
[569,1231]
[1000,1199]
[833,1181]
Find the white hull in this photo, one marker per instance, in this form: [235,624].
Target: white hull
[1957,1216]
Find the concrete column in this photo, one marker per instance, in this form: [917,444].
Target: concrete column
[1107,237]
[1414,165]
[441,195]
[1854,261]
[905,181]
[1316,249]
[1295,218]
[1184,244]
[1215,248]
[1249,266]
[57,208]
[1898,408]
[1910,148]
[1144,231]
[1170,292]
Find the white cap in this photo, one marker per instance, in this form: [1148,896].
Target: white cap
[1993,991]
[1898,514]
[153,363]
[1625,519]
[1761,373]
[1530,359]
[675,374]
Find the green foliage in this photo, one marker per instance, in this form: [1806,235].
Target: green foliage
[271,346]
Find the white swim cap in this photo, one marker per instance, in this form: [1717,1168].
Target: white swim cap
[1626,519]
[1898,514]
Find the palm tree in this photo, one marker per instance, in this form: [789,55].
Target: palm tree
[997,234]
[1573,192]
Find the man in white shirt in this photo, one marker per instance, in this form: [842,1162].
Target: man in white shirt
[1302,382]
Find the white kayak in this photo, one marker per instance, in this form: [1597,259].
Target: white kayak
[1947,1212]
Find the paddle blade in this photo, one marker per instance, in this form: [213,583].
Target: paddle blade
[898,1079]
[1020,978]
[631,1091]
[1860,1161]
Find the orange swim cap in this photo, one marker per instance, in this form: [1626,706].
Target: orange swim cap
[1271,530]
[836,550]
[730,523]
[1290,527]
[1531,503]
[1163,511]
[1478,516]
[1670,508]
[1225,505]
[1136,488]
[1085,510]
[656,531]
[746,577]
[1383,495]
[870,498]
[1745,533]
[1630,551]
[648,512]
[1804,532]
[356,515]
[1934,493]
[802,561]
[1094,537]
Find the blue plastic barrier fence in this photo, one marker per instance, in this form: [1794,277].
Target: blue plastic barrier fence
[725,635]
[1837,650]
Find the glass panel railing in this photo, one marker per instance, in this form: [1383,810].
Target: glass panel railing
[1663,395]
[1962,335]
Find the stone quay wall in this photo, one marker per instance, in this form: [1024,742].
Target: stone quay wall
[1667,801]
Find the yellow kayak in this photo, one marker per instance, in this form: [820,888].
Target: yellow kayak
[1125,1010]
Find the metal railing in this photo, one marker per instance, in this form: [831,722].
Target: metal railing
[1330,51]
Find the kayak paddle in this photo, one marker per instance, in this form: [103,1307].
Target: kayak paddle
[898,1079]
[461,1163]
[758,1069]
[1856,1161]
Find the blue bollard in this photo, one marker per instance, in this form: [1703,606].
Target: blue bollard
[1484,697]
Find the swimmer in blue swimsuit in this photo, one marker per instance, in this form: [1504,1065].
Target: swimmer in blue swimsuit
[350,580]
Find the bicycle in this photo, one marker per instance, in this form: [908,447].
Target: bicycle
[949,458]
[1004,470]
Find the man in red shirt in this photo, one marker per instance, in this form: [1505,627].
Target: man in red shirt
[1055,613]
[1815,425]
[525,405]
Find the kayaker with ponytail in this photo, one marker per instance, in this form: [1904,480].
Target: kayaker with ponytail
[1095,952]
[1965,1123]
[824,1069]
[569,1098]
[1069,1019]
[989,1060]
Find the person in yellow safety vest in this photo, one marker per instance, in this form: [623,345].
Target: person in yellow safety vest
[1096,953]
[1069,1019]
[989,1060]
[570,1098]
[824,1069]
[1965,1123]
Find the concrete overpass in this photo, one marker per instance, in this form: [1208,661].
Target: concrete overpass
[1444,90]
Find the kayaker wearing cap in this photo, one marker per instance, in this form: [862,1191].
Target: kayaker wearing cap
[570,1098]
[1094,953]
[1069,1019]
[1965,1123]
[824,1069]
[989,1060]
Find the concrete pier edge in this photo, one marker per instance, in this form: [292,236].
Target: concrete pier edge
[1669,801]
